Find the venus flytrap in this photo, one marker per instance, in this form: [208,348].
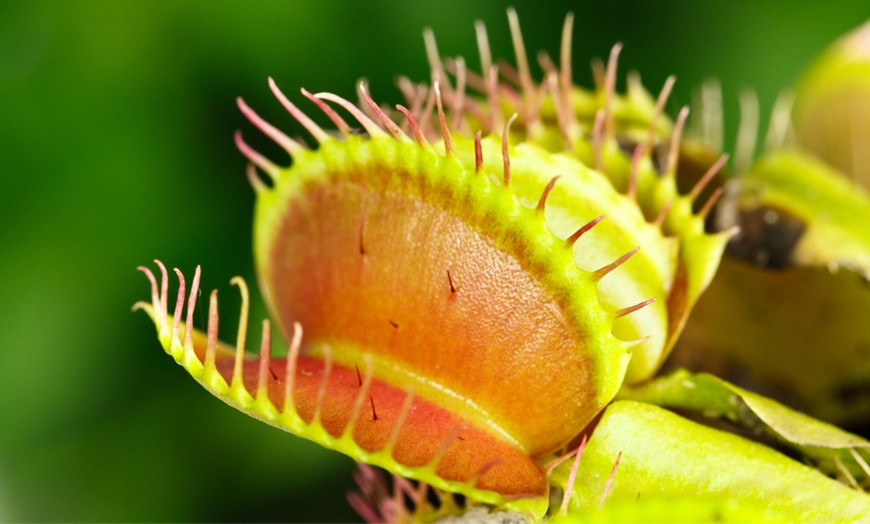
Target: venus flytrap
[467,284]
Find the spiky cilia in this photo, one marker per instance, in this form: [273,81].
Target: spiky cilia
[494,293]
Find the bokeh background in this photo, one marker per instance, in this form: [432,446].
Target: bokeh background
[116,122]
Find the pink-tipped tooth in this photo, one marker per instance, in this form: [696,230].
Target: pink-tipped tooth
[241,337]
[525,76]
[730,233]
[631,309]
[414,126]
[155,296]
[598,73]
[287,144]
[413,92]
[708,205]
[478,152]
[420,495]
[436,66]
[676,137]
[662,99]
[556,462]
[363,106]
[440,496]
[495,116]
[410,92]
[628,344]
[316,131]
[542,202]
[548,66]
[403,487]
[416,96]
[570,241]
[363,509]
[566,76]
[191,305]
[368,124]
[473,110]
[324,384]
[329,112]
[445,133]
[164,286]
[400,510]
[632,178]
[458,102]
[596,139]
[509,73]
[369,479]
[708,176]
[254,179]
[663,214]
[483,47]
[600,273]
[563,120]
[290,371]
[211,331]
[505,154]
[268,167]
[424,103]
[179,307]
[400,421]
[610,89]
[609,483]
[572,477]
[391,126]
[425,114]
[264,373]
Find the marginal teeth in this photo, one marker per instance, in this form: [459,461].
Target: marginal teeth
[368,124]
[631,309]
[387,121]
[329,112]
[265,371]
[500,219]
[316,131]
[676,136]
[600,273]
[268,167]
[445,133]
[288,144]
[662,99]
[570,241]
[610,90]
[415,128]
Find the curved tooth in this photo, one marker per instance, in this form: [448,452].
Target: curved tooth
[289,145]
[368,124]
[316,131]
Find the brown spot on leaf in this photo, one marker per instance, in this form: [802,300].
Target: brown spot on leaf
[768,236]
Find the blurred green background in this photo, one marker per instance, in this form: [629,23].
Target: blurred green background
[116,148]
